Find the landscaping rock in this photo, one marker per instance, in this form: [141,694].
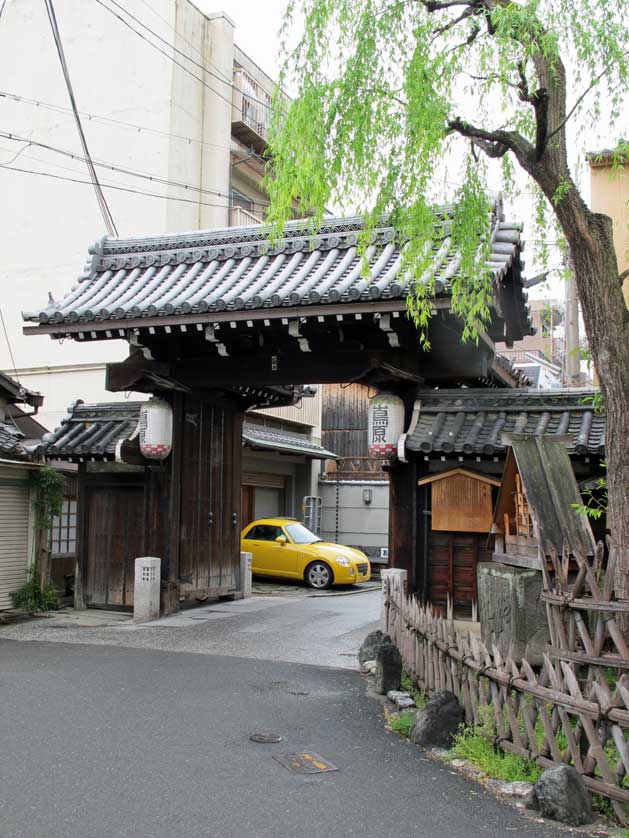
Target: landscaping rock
[518,790]
[388,668]
[436,725]
[561,795]
[370,646]
[402,700]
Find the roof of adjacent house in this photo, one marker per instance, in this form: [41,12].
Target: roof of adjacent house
[243,268]
[11,442]
[92,431]
[470,421]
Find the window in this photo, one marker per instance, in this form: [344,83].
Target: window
[301,534]
[63,531]
[264,532]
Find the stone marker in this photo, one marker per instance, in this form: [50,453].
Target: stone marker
[436,725]
[561,795]
[371,644]
[246,561]
[146,589]
[512,614]
[388,668]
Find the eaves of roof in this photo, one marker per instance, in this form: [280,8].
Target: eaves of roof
[475,422]
[243,272]
[265,438]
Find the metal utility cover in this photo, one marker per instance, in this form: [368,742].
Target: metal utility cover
[305,763]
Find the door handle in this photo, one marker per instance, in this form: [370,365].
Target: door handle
[210,519]
[234,519]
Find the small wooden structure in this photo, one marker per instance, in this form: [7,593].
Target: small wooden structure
[538,495]
[462,506]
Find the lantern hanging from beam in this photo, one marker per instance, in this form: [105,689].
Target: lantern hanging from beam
[386,424]
[155,429]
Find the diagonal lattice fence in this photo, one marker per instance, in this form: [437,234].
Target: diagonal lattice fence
[574,711]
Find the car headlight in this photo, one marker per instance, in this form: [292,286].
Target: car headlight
[343,561]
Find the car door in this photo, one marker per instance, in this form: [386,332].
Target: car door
[270,557]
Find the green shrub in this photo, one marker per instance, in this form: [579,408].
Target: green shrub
[30,597]
[470,744]
[420,697]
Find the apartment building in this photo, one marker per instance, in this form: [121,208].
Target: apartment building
[176,119]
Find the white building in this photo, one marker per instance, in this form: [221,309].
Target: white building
[180,113]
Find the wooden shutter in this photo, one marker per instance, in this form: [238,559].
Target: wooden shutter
[14,537]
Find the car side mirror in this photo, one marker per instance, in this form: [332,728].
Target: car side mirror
[281,539]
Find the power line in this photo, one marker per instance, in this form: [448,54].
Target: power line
[174,60]
[4,327]
[107,216]
[112,186]
[112,166]
[220,78]
[109,120]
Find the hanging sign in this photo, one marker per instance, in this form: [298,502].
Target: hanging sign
[155,429]
[386,424]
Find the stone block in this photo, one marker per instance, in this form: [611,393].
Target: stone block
[436,725]
[388,668]
[246,562]
[510,610]
[562,795]
[371,644]
[146,590]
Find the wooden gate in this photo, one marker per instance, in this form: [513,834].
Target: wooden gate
[114,540]
[209,547]
[452,561]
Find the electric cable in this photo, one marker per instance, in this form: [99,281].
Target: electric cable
[100,197]
[174,60]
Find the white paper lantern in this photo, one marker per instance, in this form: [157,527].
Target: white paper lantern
[386,424]
[156,429]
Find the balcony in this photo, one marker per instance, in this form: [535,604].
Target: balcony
[241,217]
[251,110]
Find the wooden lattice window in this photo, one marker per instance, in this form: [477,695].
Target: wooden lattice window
[63,531]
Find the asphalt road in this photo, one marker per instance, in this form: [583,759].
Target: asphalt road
[291,626]
[101,741]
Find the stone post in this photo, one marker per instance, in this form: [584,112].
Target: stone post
[392,573]
[246,560]
[146,592]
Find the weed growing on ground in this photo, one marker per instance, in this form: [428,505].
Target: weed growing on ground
[403,723]
[420,697]
[470,744]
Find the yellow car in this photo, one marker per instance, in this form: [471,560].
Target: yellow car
[284,547]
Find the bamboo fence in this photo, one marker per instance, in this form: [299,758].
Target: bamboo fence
[574,711]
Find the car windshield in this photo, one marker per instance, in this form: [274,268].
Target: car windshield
[301,534]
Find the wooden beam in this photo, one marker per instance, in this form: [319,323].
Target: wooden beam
[235,316]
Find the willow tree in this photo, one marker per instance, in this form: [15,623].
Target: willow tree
[386,91]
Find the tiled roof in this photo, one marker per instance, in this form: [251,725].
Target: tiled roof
[240,268]
[92,431]
[11,442]
[259,436]
[470,421]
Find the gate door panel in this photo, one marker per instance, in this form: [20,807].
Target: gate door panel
[115,516]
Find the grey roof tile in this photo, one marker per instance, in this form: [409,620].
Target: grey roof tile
[11,445]
[92,431]
[470,421]
[240,268]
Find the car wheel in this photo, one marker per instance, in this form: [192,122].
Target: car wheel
[319,575]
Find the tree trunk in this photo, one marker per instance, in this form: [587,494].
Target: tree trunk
[606,321]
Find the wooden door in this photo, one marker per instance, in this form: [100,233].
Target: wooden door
[452,561]
[115,539]
[209,549]
[247,505]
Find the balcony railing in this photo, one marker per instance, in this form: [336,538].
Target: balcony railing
[240,217]
[251,110]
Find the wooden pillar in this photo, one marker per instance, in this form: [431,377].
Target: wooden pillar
[403,519]
[81,540]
